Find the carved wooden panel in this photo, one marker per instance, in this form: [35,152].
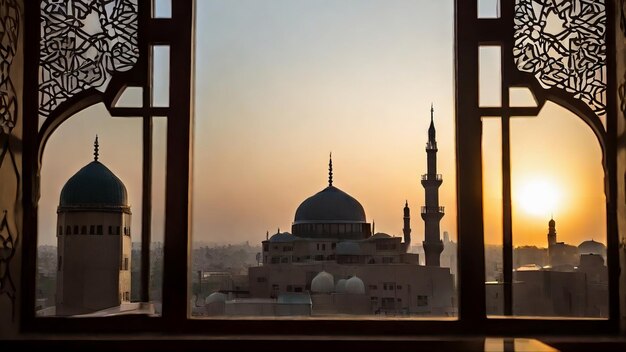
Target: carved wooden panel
[11,67]
[83,43]
[563,44]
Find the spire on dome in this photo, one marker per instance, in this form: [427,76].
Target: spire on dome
[330,170]
[95,149]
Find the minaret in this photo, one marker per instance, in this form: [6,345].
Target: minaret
[432,212]
[407,226]
[551,233]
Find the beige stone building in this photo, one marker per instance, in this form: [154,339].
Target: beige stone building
[332,251]
[94,241]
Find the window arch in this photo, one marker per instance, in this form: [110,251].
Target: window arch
[176,32]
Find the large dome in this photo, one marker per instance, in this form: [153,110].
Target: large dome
[330,205]
[94,186]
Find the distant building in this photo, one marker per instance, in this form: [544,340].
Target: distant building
[541,292]
[563,280]
[530,255]
[449,255]
[592,247]
[563,257]
[94,245]
[332,256]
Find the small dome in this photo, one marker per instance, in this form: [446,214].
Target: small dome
[355,286]
[330,205]
[379,235]
[348,248]
[592,247]
[341,286]
[282,237]
[94,186]
[215,297]
[551,223]
[323,283]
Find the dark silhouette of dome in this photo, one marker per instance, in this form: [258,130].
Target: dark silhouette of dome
[592,247]
[94,186]
[379,235]
[282,237]
[330,205]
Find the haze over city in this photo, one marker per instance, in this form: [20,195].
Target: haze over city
[280,84]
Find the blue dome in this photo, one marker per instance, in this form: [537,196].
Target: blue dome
[94,186]
[330,205]
[282,237]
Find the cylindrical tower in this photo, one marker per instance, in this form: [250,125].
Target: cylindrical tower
[94,243]
[432,212]
[406,230]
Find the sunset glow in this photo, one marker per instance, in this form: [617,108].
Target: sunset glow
[538,197]
[277,91]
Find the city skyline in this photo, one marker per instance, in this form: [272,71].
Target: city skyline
[271,103]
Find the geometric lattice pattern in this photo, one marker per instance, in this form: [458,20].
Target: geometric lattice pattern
[9,32]
[563,43]
[83,42]
[7,251]
[9,35]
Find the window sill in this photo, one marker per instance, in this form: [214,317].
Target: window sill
[167,342]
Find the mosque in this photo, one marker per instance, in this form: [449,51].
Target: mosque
[94,243]
[332,263]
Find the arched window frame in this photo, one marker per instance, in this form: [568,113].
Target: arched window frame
[177,32]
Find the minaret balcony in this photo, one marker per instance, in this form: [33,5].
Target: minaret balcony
[431,146]
[432,177]
[431,210]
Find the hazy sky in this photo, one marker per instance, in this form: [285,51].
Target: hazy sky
[281,83]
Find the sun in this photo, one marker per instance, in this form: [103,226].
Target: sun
[538,197]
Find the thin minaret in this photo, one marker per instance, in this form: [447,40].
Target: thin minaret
[96,147]
[432,212]
[551,232]
[330,170]
[552,253]
[406,230]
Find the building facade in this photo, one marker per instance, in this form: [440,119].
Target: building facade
[94,241]
[332,242]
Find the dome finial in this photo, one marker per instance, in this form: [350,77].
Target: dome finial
[95,149]
[330,170]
